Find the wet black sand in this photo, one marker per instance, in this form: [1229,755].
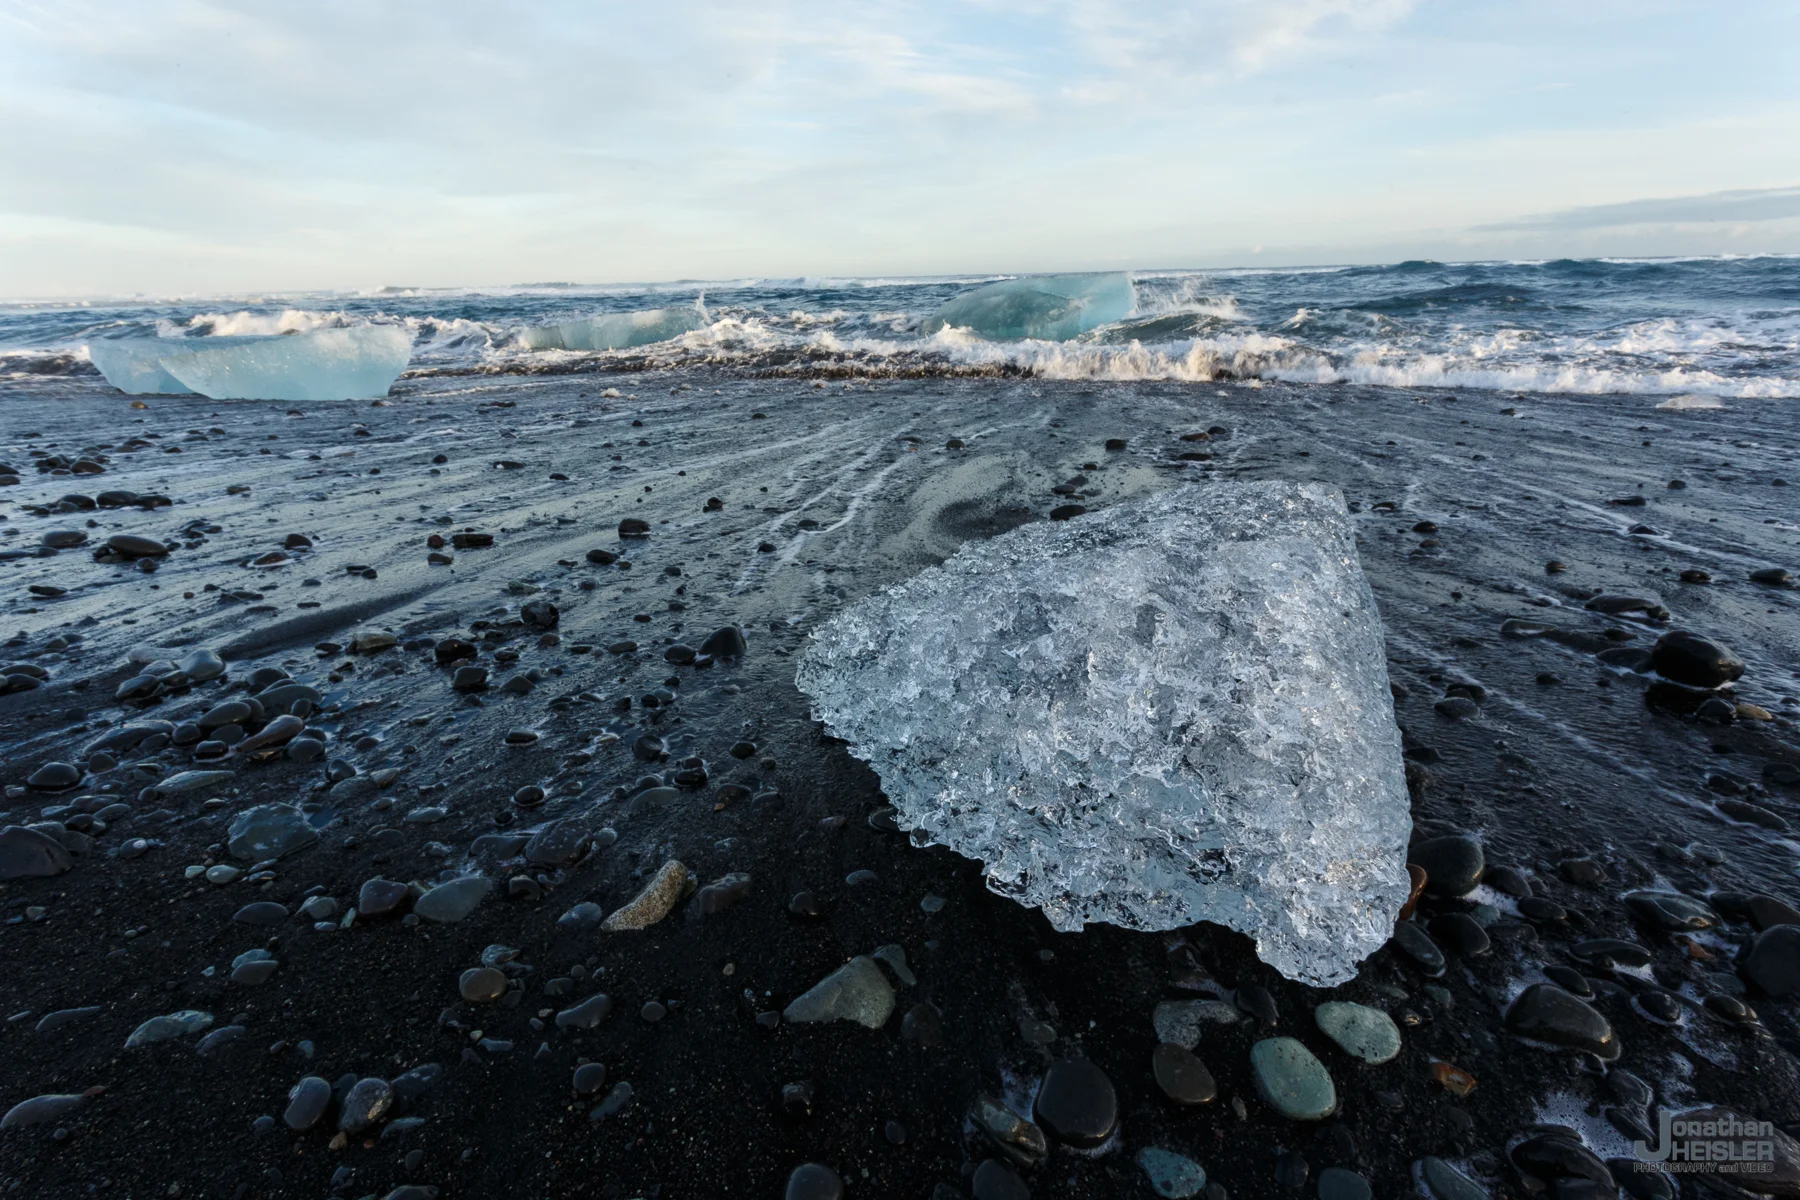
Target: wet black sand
[1580,768]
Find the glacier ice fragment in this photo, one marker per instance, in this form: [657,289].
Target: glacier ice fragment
[1052,308]
[615,331]
[1170,711]
[351,363]
[134,364]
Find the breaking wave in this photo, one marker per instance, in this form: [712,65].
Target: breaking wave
[1697,330]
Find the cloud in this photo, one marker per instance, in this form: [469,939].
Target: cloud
[1747,205]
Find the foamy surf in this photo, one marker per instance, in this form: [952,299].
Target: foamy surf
[1696,333]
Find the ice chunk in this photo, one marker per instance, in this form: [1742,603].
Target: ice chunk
[1052,308]
[1170,711]
[353,363]
[134,364]
[615,331]
[356,363]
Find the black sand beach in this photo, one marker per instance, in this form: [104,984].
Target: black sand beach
[1567,764]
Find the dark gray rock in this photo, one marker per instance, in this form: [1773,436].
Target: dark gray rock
[1076,1103]
[1773,963]
[1693,660]
[27,854]
[365,1104]
[1453,864]
[1547,1013]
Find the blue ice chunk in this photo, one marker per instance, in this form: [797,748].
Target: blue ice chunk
[133,363]
[615,331]
[1051,308]
[355,363]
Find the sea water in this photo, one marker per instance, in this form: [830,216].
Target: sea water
[1698,331]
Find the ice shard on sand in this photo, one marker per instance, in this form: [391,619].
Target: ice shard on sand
[1171,711]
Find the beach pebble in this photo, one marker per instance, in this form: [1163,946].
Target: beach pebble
[1453,864]
[28,853]
[1171,1175]
[1547,1013]
[1182,1077]
[1693,660]
[814,1181]
[307,1101]
[1773,963]
[654,902]
[586,1015]
[856,991]
[1364,1032]
[1291,1081]
[1076,1103]
[366,1103]
[39,1110]
[454,900]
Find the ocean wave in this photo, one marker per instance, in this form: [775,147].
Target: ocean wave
[1709,327]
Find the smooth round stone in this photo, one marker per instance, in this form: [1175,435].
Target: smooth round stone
[653,1012]
[1570,981]
[1419,947]
[54,777]
[27,853]
[585,1015]
[725,643]
[1773,963]
[1670,911]
[319,908]
[39,1110]
[1076,1103]
[1447,1183]
[263,912]
[480,985]
[253,967]
[1335,1183]
[1364,1032]
[1694,660]
[130,545]
[1181,1075]
[452,901]
[307,1102]
[994,1180]
[1546,1013]
[1173,1175]
[379,897]
[1453,864]
[1462,933]
[589,1078]
[1291,1081]
[365,1104]
[814,1181]
[222,873]
[1507,880]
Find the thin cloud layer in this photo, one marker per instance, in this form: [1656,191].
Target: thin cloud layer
[1752,205]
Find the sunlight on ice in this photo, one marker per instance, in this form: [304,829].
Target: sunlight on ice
[1171,711]
[1052,308]
[354,363]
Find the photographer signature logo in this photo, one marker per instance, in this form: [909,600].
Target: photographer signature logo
[1710,1142]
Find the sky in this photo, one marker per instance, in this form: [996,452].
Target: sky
[185,147]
